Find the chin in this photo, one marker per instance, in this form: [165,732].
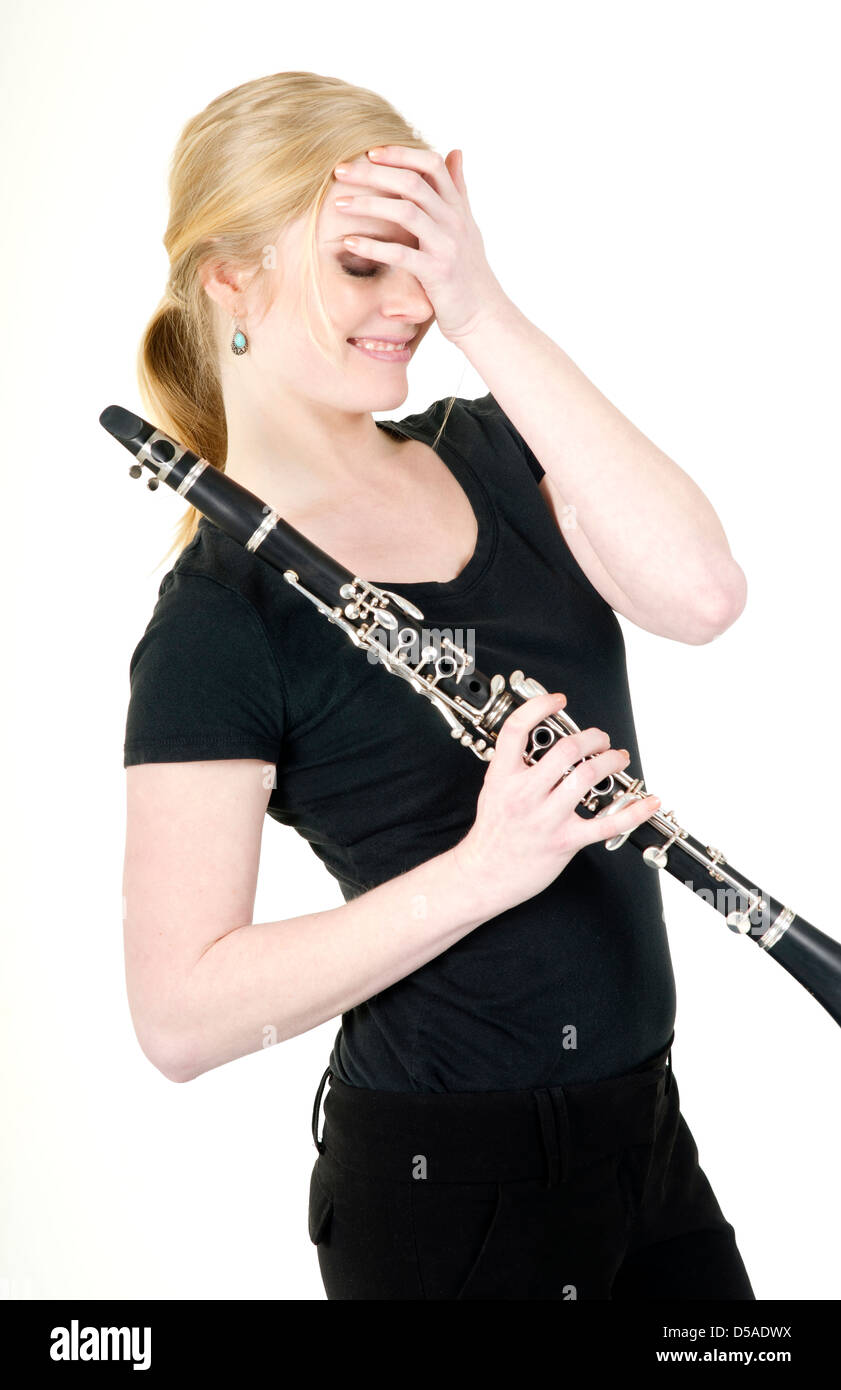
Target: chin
[387,397]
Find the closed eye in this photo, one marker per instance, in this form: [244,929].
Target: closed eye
[352,270]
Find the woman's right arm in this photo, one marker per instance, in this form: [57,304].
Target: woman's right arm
[204,982]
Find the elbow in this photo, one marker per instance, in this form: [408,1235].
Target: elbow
[167,1056]
[179,1063]
[724,603]
[163,1034]
[174,1071]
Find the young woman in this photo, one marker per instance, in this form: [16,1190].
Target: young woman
[502,1120]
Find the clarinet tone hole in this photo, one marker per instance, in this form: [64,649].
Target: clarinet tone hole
[602,788]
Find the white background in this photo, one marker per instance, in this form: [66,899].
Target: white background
[657,188]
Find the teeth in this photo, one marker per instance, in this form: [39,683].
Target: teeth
[372,344]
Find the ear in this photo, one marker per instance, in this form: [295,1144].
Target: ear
[223,285]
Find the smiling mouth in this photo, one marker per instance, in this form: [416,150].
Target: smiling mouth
[382,344]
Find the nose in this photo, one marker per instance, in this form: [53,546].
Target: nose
[405,298]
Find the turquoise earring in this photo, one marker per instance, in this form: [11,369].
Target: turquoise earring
[239,342]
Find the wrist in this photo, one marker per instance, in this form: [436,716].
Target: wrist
[495,311]
[474,885]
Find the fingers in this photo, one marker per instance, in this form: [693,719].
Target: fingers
[568,750]
[604,827]
[589,773]
[511,741]
[428,163]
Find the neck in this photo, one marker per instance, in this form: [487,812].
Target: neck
[299,455]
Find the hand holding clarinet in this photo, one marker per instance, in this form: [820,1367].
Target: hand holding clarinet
[527,828]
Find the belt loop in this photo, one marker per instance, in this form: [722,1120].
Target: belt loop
[554,1131]
[549,1135]
[563,1131]
[319,1143]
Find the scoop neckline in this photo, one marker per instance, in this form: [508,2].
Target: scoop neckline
[486,526]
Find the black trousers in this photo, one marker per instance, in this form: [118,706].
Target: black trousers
[574,1192]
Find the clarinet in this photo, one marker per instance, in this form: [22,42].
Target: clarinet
[474,705]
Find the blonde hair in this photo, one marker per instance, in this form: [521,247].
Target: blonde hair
[255,159]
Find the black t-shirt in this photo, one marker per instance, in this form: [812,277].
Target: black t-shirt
[573,985]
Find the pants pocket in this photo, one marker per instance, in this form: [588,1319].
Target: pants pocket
[633,1167]
[320,1208]
[453,1227]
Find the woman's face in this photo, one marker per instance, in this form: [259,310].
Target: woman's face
[364,299]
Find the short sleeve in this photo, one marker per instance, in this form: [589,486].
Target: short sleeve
[491,408]
[204,679]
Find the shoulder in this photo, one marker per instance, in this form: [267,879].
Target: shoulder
[477,428]
[204,677]
[207,634]
[196,609]
[482,416]
[215,580]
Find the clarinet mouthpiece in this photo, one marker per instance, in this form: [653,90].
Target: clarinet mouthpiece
[122,424]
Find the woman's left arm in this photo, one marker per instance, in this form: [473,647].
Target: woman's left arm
[642,531]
